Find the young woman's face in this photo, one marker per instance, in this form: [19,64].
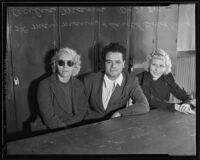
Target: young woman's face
[114,64]
[157,68]
[65,65]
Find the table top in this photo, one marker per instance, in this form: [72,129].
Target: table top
[158,132]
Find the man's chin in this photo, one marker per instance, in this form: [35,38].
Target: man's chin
[113,76]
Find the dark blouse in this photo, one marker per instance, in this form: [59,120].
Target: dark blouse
[158,91]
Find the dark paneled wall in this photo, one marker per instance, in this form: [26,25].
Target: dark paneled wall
[34,33]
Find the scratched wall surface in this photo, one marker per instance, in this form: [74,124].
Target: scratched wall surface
[113,27]
[142,35]
[76,30]
[34,32]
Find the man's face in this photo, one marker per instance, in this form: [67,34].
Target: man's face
[114,64]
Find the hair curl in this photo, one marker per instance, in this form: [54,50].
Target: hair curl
[76,59]
[161,54]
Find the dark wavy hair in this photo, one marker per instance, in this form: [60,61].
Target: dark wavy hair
[114,47]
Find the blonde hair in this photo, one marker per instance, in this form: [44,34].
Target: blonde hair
[161,54]
[76,59]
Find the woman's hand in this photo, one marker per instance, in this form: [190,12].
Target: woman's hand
[185,108]
[116,114]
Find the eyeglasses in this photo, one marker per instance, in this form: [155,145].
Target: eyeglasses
[62,63]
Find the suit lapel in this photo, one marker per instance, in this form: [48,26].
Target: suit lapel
[115,96]
[118,95]
[98,87]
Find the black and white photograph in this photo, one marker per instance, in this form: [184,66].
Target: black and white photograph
[97,78]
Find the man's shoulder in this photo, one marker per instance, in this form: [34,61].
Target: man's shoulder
[133,78]
[94,75]
[77,82]
[130,76]
[143,75]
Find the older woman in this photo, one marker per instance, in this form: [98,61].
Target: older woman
[61,97]
[158,82]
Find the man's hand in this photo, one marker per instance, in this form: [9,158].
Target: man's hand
[116,114]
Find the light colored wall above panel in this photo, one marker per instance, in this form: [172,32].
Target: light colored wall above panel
[186,27]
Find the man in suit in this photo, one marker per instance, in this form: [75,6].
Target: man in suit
[109,90]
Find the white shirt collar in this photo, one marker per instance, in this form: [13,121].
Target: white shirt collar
[116,81]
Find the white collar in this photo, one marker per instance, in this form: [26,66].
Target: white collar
[116,81]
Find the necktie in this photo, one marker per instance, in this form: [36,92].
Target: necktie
[113,87]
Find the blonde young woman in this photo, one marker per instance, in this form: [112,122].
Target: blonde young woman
[158,82]
[61,97]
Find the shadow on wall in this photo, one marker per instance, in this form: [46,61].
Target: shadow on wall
[95,58]
[34,122]
[34,125]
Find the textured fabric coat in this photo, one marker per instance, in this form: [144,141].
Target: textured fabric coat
[52,103]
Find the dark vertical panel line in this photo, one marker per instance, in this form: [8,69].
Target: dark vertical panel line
[132,37]
[95,42]
[98,34]
[155,41]
[177,28]
[175,64]
[58,26]
[157,23]
[12,65]
[129,13]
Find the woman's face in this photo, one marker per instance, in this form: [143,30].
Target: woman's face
[65,65]
[157,68]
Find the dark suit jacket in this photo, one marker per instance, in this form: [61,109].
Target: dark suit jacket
[129,88]
[52,103]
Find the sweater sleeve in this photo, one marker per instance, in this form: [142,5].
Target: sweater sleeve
[51,120]
[177,91]
[140,103]
[155,102]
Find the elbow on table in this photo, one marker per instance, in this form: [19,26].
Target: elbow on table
[141,108]
[146,108]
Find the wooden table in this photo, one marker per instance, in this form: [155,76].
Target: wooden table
[157,132]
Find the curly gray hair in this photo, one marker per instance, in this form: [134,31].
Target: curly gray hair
[161,54]
[76,60]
